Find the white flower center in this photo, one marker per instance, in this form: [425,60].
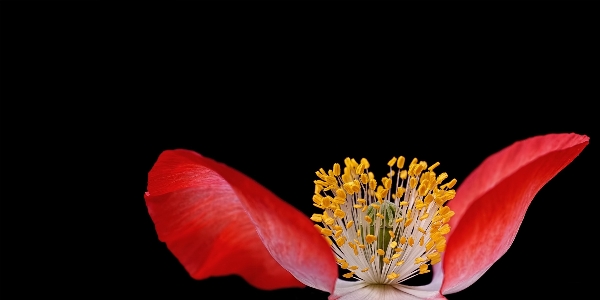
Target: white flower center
[379,236]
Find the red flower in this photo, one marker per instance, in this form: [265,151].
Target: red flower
[217,221]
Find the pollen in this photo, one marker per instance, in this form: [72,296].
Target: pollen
[377,226]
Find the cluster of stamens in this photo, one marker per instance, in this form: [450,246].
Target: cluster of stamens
[380,235]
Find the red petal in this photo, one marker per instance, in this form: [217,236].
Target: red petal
[491,203]
[217,221]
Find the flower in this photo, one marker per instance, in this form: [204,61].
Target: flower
[217,221]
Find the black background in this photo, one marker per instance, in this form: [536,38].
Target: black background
[92,94]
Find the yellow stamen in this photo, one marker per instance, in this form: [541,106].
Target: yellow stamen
[407,209]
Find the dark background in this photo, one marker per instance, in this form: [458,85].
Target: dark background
[92,94]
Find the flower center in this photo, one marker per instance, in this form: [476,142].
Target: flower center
[380,235]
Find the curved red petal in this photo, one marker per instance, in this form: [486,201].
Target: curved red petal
[217,221]
[491,203]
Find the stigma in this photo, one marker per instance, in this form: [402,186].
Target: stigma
[388,231]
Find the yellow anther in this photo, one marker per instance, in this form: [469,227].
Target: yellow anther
[368,219]
[393,244]
[433,255]
[386,260]
[348,275]
[326,232]
[418,169]
[400,192]
[339,213]
[346,177]
[423,269]
[364,178]
[338,233]
[421,241]
[451,183]
[414,162]
[353,162]
[364,208]
[376,206]
[347,161]
[317,199]
[441,177]
[356,186]
[424,216]
[434,166]
[419,260]
[360,169]
[391,174]
[423,189]
[372,184]
[397,249]
[387,183]
[411,241]
[340,241]
[365,270]
[352,267]
[357,234]
[421,230]
[428,199]
[403,203]
[343,263]
[419,204]
[444,210]
[403,240]
[407,222]
[413,182]
[349,224]
[321,174]
[400,263]
[400,162]
[329,221]
[357,206]
[370,238]
[392,162]
[403,174]
[444,229]
[440,245]
[365,163]
[429,245]
[348,187]
[331,180]
[372,259]
[320,182]
[395,256]
[424,164]
[380,252]
[380,215]
[327,201]
[318,188]
[336,169]
[317,218]
[392,235]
